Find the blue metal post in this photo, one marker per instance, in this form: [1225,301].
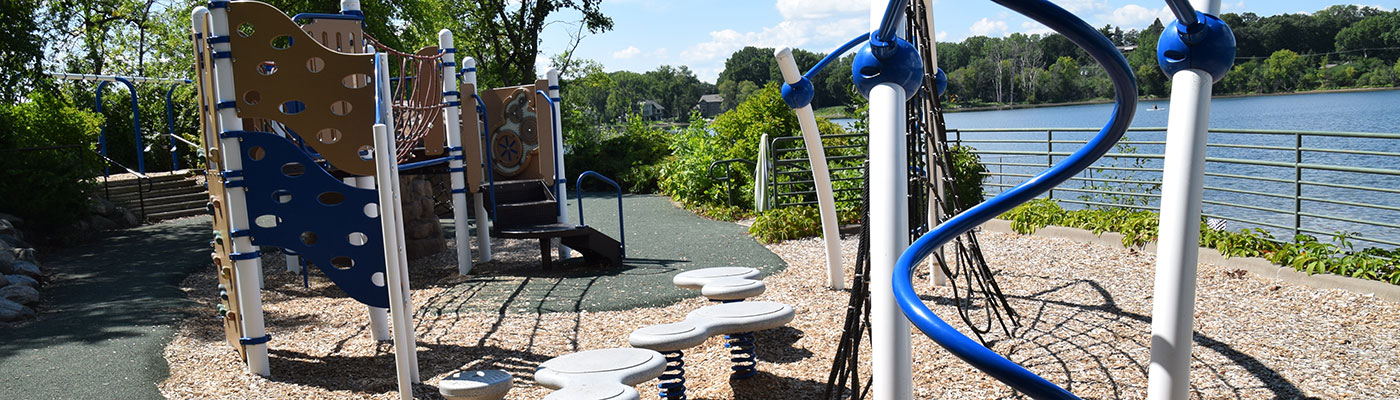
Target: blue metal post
[170,128]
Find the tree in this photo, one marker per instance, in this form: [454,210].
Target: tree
[1375,32]
[1284,69]
[504,36]
[21,51]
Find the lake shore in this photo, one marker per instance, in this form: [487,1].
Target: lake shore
[1106,101]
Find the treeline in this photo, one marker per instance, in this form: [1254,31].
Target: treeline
[1338,47]
[610,97]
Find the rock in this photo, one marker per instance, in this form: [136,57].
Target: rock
[425,247]
[4,281]
[13,219]
[22,280]
[422,229]
[8,228]
[101,206]
[20,294]
[7,259]
[28,268]
[16,241]
[101,223]
[11,311]
[128,219]
[26,254]
[423,188]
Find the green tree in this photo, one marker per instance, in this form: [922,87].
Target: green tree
[1284,69]
[1372,34]
[21,51]
[504,36]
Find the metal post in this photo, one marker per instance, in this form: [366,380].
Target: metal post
[892,360]
[1297,183]
[1183,177]
[821,175]
[561,191]
[1050,157]
[483,221]
[452,119]
[246,271]
[935,172]
[170,128]
[391,227]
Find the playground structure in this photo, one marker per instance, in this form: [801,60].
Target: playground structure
[306,134]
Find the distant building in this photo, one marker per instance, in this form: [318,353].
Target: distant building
[709,105]
[651,110]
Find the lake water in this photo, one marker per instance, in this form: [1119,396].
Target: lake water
[1372,112]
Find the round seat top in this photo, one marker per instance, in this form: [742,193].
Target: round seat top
[476,385]
[719,319]
[595,361]
[694,279]
[669,337]
[732,289]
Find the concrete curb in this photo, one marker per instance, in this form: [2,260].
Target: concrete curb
[1257,266]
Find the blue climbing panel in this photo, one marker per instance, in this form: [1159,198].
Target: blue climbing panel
[296,205]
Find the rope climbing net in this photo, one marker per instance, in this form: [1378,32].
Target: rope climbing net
[416,95]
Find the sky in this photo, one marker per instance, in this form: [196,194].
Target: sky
[702,34]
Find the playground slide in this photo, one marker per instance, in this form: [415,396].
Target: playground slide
[1125,90]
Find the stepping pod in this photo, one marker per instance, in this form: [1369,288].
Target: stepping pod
[737,319]
[489,384]
[722,283]
[599,374]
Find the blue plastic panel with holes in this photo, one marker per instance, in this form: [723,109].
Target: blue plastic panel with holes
[294,204]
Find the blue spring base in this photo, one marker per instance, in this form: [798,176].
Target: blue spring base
[673,379]
[741,352]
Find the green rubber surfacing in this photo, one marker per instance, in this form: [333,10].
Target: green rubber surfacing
[662,240]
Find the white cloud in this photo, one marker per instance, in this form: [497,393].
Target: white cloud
[629,52]
[987,27]
[941,36]
[660,53]
[1231,7]
[1078,6]
[1134,16]
[821,9]
[792,33]
[1035,28]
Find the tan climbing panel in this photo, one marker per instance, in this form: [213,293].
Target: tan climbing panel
[545,126]
[471,139]
[282,73]
[521,146]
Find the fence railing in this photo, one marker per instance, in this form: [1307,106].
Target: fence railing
[1294,182]
[790,180]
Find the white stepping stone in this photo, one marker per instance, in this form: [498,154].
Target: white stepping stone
[476,385]
[722,283]
[599,374]
[719,319]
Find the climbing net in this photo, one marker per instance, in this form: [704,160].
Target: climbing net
[416,95]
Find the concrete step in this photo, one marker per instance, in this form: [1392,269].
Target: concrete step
[174,214]
[132,197]
[113,191]
[185,205]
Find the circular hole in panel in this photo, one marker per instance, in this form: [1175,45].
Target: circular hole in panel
[342,262]
[245,29]
[366,152]
[282,196]
[252,97]
[315,64]
[340,108]
[357,238]
[355,81]
[267,68]
[292,107]
[256,153]
[377,279]
[293,169]
[328,135]
[308,238]
[331,198]
[372,210]
[266,221]
[282,42]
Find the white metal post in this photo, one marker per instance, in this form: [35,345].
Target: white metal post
[760,173]
[402,304]
[246,272]
[892,361]
[935,173]
[561,179]
[483,221]
[821,176]
[1183,175]
[452,117]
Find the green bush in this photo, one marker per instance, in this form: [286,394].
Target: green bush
[49,188]
[786,223]
[1305,253]
[632,155]
[968,174]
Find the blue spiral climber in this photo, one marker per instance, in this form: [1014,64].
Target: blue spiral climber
[742,348]
[673,378]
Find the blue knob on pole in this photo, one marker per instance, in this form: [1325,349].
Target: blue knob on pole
[1207,46]
[898,63]
[800,94]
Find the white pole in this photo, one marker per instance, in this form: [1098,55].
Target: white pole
[246,272]
[760,173]
[560,177]
[452,117]
[826,201]
[935,173]
[388,195]
[1183,175]
[483,221]
[402,303]
[892,362]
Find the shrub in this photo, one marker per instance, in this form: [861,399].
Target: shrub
[968,174]
[786,223]
[631,155]
[49,188]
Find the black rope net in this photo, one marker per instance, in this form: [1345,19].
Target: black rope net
[415,90]
[972,281]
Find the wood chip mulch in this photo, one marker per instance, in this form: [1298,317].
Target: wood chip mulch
[1085,324]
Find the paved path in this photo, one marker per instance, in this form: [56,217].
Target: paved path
[107,318]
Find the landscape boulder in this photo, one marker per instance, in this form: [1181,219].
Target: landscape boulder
[20,294]
[22,280]
[28,268]
[11,311]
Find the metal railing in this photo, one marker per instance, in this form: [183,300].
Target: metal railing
[728,177]
[790,180]
[1301,182]
[621,229]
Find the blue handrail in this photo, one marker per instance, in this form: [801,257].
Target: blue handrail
[135,126]
[621,229]
[1125,88]
[170,127]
